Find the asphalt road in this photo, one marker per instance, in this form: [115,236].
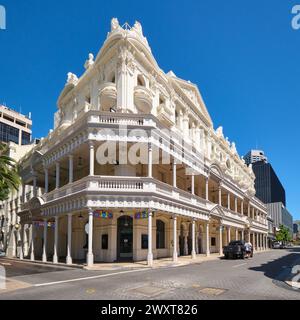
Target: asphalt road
[258,278]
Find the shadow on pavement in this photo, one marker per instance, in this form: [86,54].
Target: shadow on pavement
[280,269]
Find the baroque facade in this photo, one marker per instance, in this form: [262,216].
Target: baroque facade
[133,168]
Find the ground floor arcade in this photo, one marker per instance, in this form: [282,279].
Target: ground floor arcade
[122,235]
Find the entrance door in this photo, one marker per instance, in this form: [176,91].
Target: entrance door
[125,238]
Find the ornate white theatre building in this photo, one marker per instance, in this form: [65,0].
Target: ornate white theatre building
[133,169]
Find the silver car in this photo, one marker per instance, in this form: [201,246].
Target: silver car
[276,245]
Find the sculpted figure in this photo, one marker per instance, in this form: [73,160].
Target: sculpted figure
[114,24]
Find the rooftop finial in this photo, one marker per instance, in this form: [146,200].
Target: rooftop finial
[114,24]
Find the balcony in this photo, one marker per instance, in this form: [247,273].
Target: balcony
[165,115]
[108,96]
[143,99]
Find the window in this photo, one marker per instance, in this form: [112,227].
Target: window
[104,242]
[212,242]
[144,244]
[8,133]
[160,234]
[26,138]
[141,81]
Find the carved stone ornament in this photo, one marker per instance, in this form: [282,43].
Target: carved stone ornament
[114,24]
[89,62]
[72,79]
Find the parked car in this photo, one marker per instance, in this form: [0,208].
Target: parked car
[235,249]
[2,253]
[276,245]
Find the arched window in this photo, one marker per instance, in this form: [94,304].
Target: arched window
[160,234]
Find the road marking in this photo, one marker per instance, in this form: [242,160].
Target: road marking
[85,278]
[239,265]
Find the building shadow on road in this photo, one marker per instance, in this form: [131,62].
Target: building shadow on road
[280,268]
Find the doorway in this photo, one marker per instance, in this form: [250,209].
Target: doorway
[125,239]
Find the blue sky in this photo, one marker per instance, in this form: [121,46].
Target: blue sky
[243,55]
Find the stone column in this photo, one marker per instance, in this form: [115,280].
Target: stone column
[55,258]
[207,240]
[228,234]
[174,174]
[150,161]
[235,204]
[34,186]
[242,207]
[90,255]
[221,240]
[228,201]
[254,241]
[69,245]
[44,259]
[249,209]
[220,196]
[32,242]
[193,183]
[71,168]
[57,175]
[92,159]
[193,240]
[206,188]
[243,234]
[20,239]
[185,244]
[46,180]
[150,253]
[236,234]
[175,238]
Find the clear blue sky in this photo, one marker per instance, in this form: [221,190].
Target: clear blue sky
[244,56]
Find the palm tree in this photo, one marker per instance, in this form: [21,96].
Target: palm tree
[9,177]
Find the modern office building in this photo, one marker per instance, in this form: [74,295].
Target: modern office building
[134,169]
[280,216]
[254,156]
[14,127]
[267,185]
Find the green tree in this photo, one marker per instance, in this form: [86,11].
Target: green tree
[283,234]
[9,176]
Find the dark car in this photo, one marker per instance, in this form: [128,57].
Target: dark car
[235,249]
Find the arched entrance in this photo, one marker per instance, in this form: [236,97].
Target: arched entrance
[125,238]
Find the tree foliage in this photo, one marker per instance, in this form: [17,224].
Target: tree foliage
[9,176]
[283,234]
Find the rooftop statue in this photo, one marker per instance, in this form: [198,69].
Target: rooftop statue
[114,24]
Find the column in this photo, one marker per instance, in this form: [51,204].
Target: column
[193,240]
[25,242]
[55,259]
[220,196]
[20,240]
[249,236]
[150,254]
[174,174]
[207,240]
[206,188]
[235,204]
[186,248]
[150,160]
[57,174]
[236,234]
[193,183]
[228,234]
[220,240]
[46,180]
[32,242]
[253,215]
[45,241]
[243,234]
[242,207]
[249,209]
[23,193]
[175,238]
[254,241]
[70,168]
[69,245]
[92,157]
[90,256]
[34,186]
[228,201]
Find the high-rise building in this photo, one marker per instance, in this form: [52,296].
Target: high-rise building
[14,127]
[267,185]
[254,156]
